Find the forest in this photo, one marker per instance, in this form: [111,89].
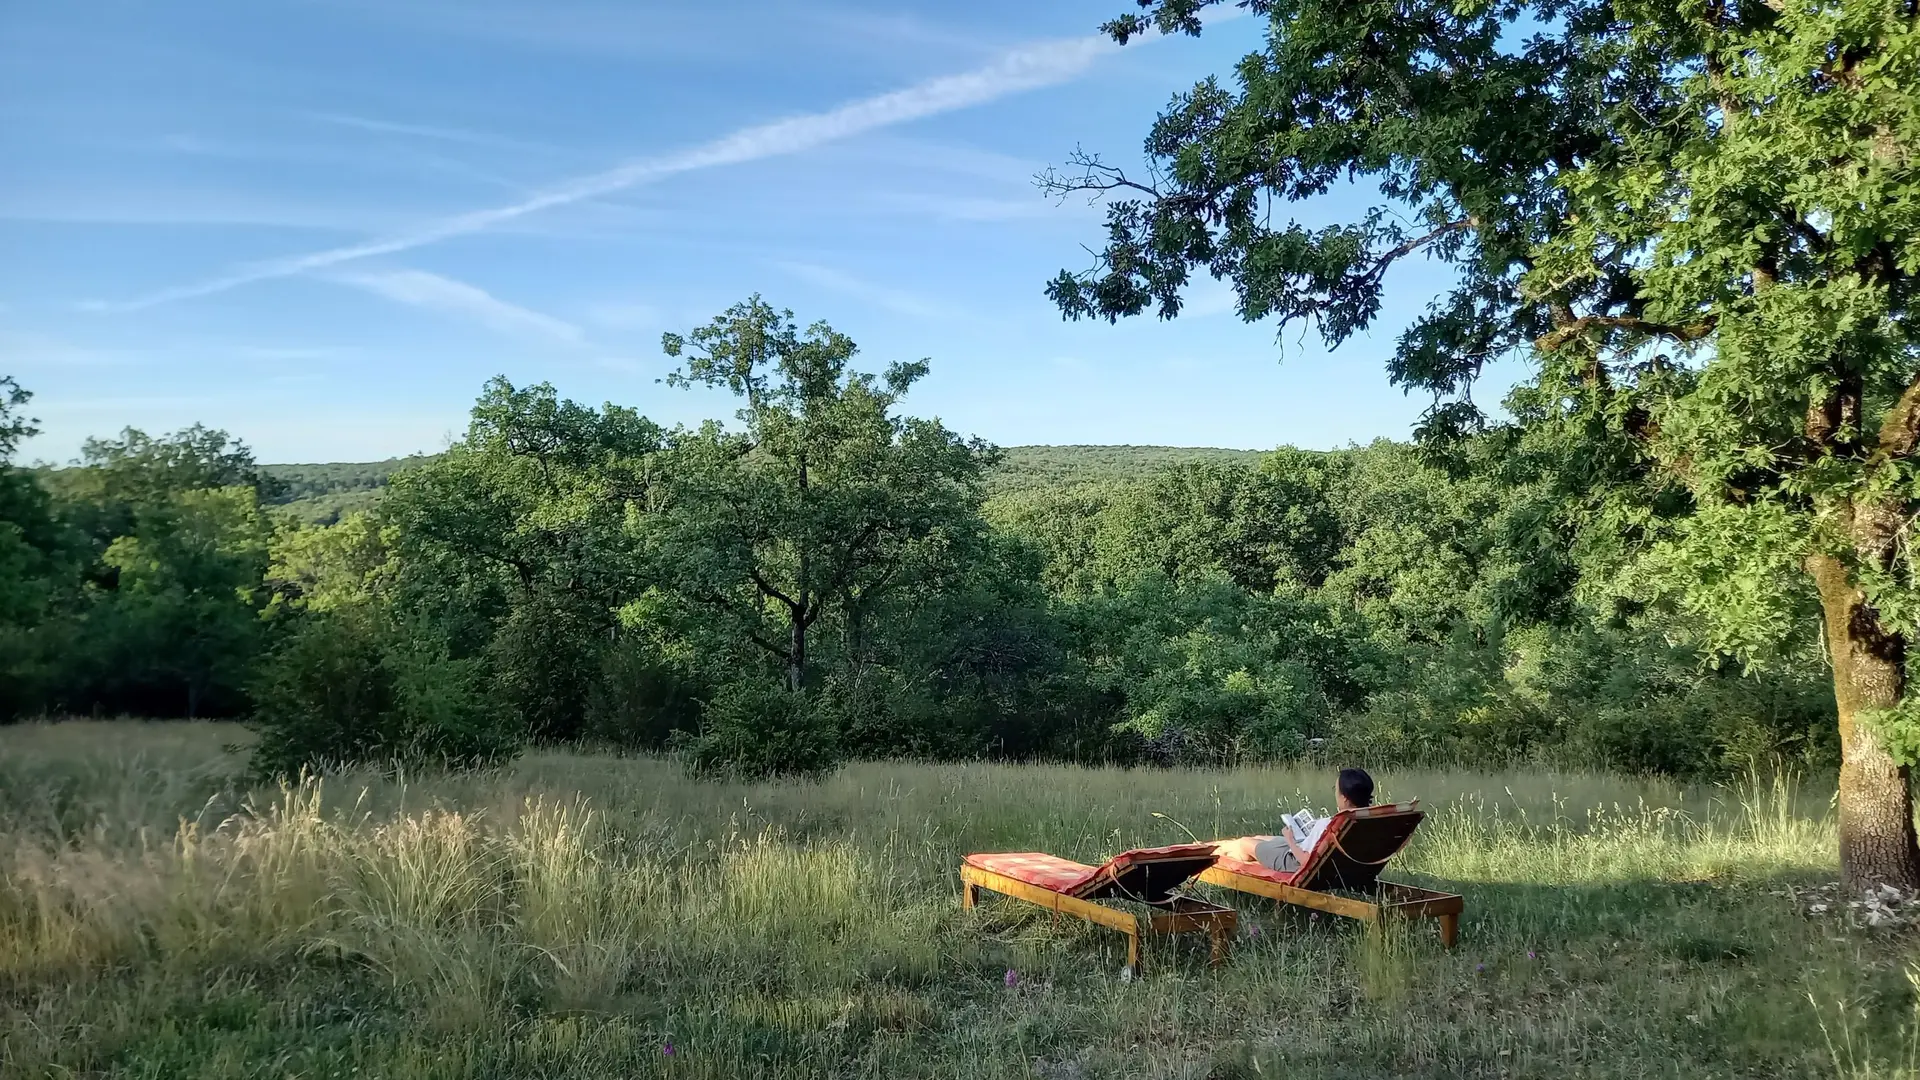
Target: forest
[826,577]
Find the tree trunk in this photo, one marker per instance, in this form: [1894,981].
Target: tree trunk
[1877,844]
[797,654]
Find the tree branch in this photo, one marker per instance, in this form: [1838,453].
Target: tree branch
[715,600]
[1386,259]
[1900,431]
[767,588]
[768,645]
[1679,332]
[1094,175]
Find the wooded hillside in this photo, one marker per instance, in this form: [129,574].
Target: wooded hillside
[323,493]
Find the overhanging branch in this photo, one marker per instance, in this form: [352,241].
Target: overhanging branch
[1682,332]
[1093,175]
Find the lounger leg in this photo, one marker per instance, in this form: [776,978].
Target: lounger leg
[969,894]
[1449,929]
[1133,953]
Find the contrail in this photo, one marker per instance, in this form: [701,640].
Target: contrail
[1042,64]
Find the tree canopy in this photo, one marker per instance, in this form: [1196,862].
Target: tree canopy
[1701,222]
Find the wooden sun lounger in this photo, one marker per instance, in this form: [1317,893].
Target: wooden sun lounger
[1349,856]
[1147,876]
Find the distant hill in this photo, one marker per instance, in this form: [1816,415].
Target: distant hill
[323,493]
[1057,466]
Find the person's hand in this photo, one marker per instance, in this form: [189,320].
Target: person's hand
[1299,855]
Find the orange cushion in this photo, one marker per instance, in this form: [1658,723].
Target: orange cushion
[1049,872]
[1143,873]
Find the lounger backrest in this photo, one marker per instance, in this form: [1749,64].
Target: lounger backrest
[1356,846]
[1146,874]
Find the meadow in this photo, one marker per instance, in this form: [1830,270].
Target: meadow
[575,914]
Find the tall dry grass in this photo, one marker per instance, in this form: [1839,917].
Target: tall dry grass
[577,915]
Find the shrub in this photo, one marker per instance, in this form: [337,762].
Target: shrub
[545,661]
[639,698]
[755,729]
[343,688]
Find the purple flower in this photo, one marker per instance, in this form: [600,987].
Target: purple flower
[1253,931]
[1013,978]
[1313,916]
[667,1049]
[1479,967]
[1530,955]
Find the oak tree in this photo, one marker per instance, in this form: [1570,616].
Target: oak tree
[1700,221]
[823,502]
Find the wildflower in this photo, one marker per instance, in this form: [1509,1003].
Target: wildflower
[1013,978]
[667,1049]
[1253,930]
[1313,916]
[1531,956]
[1479,967]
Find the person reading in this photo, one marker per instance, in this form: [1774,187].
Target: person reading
[1288,851]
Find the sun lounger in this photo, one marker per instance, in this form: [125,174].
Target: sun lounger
[1147,876]
[1349,856]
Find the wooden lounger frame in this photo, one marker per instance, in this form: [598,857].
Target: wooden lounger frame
[1177,915]
[1349,859]
[1394,900]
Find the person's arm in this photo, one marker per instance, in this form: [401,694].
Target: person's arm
[1299,855]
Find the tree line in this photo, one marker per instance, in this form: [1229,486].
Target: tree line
[824,576]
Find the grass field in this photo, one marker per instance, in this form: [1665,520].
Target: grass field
[591,916]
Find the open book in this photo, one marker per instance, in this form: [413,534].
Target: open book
[1305,828]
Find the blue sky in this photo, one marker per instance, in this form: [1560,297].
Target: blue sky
[322,224]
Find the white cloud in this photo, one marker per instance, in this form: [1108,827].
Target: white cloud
[290,353]
[163,206]
[897,301]
[896,153]
[30,352]
[978,207]
[418,288]
[427,131]
[1043,64]
[892,31]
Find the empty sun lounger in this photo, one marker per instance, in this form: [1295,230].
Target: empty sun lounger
[1147,876]
[1349,856]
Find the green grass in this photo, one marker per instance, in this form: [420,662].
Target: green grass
[573,914]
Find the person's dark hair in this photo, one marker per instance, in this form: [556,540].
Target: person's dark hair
[1357,786]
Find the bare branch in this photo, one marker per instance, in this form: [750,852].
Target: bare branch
[1086,172]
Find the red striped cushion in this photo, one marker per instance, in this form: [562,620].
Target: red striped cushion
[1049,872]
[1143,873]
